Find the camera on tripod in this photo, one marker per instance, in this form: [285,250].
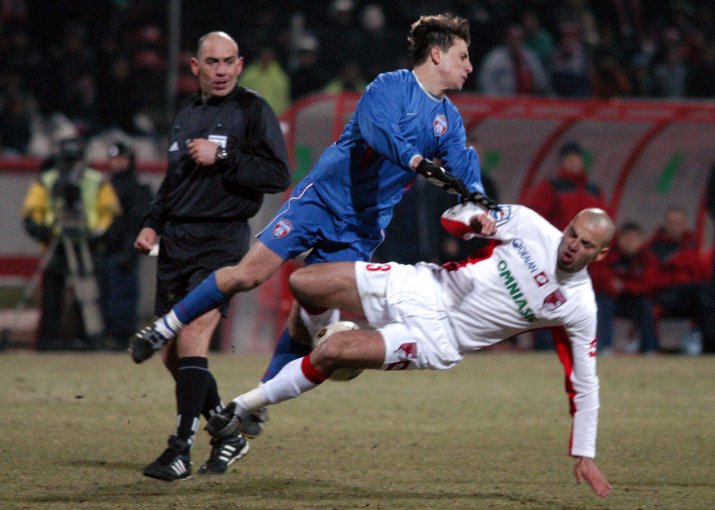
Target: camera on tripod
[71,218]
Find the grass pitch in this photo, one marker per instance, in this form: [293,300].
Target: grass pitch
[76,430]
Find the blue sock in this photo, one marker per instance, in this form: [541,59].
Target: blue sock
[286,351]
[203,298]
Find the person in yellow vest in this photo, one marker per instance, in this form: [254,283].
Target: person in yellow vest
[267,77]
[69,205]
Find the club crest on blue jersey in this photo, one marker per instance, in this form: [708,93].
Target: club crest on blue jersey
[282,229]
[439,126]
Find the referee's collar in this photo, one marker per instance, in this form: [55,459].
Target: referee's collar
[216,100]
[429,94]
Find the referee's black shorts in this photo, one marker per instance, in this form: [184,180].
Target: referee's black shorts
[189,252]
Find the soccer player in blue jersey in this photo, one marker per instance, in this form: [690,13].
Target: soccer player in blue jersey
[339,210]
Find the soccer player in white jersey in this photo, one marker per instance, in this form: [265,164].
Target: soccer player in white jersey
[426,316]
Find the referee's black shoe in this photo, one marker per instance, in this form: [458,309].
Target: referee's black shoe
[145,343]
[173,464]
[224,452]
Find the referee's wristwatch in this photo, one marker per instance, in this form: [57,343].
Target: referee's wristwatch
[221,154]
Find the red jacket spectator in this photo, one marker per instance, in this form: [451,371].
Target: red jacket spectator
[678,260]
[629,268]
[560,198]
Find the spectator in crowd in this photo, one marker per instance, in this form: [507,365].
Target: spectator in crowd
[536,37]
[267,77]
[20,57]
[383,46]
[67,208]
[118,261]
[700,82]
[117,99]
[148,61]
[680,285]
[559,198]
[71,66]
[622,284]
[341,33]
[670,74]
[349,80]
[308,76]
[15,125]
[570,64]
[610,79]
[582,14]
[512,69]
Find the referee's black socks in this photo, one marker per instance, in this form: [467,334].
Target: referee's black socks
[196,394]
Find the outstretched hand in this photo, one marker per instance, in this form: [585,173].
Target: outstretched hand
[483,224]
[586,470]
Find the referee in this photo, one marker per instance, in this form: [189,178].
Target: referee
[226,150]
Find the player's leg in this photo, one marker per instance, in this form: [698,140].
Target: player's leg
[192,381]
[217,289]
[346,349]
[193,387]
[329,285]
[388,293]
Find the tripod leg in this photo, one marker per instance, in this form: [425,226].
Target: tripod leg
[85,286]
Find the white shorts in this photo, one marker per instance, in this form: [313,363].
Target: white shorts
[403,303]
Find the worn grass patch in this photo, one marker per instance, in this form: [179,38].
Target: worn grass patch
[76,430]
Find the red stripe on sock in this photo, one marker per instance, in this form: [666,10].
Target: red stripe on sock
[310,372]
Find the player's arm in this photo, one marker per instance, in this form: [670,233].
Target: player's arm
[474,219]
[576,347]
[261,161]
[586,470]
[440,177]
[378,114]
[460,160]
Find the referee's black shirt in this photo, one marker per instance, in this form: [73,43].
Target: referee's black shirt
[230,190]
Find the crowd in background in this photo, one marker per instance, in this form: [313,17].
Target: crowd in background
[102,64]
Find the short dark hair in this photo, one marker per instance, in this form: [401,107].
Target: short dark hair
[570,147]
[439,30]
[631,226]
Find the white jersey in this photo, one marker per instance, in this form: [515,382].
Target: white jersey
[514,285]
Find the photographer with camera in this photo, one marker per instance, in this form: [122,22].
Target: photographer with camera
[67,208]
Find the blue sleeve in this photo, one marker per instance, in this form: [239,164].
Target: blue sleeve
[459,159]
[378,114]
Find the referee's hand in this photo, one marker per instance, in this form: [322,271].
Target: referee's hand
[146,240]
[202,151]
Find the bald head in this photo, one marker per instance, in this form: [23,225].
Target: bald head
[599,222]
[585,240]
[212,37]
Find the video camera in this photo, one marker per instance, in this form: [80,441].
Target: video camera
[70,214]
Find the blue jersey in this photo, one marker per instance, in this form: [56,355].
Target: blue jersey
[365,173]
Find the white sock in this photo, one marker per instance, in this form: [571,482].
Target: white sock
[289,383]
[168,325]
[252,400]
[314,323]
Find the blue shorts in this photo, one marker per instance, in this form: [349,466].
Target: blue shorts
[305,223]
